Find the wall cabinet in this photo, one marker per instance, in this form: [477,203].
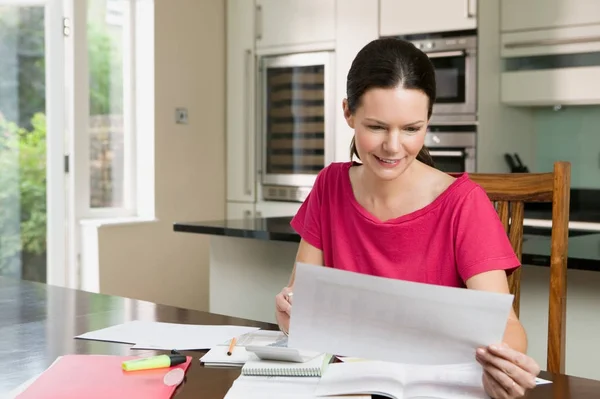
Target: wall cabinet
[552,58]
[281,23]
[241,72]
[544,14]
[402,17]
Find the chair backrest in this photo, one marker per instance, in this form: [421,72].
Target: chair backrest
[509,193]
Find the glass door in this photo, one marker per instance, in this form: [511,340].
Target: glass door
[32,206]
[296,107]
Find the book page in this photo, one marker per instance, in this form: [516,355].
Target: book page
[352,314]
[371,378]
[256,387]
[454,381]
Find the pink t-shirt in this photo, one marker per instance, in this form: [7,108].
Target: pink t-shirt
[445,243]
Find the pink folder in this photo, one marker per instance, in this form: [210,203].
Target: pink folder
[100,377]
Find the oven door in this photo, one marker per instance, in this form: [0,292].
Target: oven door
[455,74]
[453,160]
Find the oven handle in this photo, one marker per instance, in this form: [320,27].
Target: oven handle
[440,54]
[447,153]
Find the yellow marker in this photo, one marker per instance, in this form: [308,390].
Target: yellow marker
[154,362]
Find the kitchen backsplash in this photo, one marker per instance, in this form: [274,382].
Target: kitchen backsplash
[570,134]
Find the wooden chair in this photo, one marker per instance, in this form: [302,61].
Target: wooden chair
[510,192]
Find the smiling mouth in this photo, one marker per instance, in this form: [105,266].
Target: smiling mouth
[387,161]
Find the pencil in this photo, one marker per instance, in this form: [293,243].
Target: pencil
[231,346]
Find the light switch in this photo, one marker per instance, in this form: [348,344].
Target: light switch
[181,116]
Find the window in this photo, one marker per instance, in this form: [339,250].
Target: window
[111,127]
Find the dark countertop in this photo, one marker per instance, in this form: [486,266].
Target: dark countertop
[588,216]
[584,247]
[584,206]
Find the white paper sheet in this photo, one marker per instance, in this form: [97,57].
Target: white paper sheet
[255,387]
[352,314]
[167,336]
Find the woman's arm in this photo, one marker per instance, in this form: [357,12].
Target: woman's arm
[496,281]
[307,253]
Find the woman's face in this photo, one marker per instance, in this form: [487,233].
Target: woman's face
[389,129]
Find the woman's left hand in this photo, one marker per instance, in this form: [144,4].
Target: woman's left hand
[507,373]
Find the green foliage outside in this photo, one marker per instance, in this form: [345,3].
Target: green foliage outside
[22,188]
[23,142]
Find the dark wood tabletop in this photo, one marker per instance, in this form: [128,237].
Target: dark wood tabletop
[38,323]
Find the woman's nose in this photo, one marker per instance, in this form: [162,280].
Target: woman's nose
[392,142]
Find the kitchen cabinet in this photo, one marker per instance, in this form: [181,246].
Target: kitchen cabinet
[270,209]
[240,210]
[241,72]
[403,17]
[518,15]
[284,23]
[564,86]
[264,209]
[554,58]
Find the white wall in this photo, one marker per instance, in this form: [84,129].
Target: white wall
[501,129]
[148,260]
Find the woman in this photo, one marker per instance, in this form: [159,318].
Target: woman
[395,215]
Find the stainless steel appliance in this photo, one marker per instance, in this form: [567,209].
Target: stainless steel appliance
[453,148]
[295,122]
[454,56]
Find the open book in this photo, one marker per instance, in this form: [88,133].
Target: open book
[402,381]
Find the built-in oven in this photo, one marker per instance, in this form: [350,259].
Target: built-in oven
[454,57]
[453,148]
[295,121]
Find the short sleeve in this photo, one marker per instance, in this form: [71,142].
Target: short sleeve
[307,221]
[481,243]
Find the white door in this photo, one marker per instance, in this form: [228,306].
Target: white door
[403,17]
[241,73]
[32,184]
[100,116]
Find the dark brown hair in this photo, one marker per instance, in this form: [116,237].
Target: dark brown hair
[389,63]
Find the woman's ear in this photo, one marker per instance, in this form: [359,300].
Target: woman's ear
[347,114]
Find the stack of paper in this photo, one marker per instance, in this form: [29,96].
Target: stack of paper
[218,357]
[167,336]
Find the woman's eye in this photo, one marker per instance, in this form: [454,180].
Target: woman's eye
[413,129]
[375,127]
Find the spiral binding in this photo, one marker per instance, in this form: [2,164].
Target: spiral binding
[283,371]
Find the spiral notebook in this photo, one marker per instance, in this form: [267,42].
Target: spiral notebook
[312,368]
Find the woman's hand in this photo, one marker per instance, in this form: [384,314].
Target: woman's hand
[507,373]
[283,308]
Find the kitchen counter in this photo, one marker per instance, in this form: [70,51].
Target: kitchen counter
[584,247]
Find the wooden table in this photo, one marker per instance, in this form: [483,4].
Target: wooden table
[38,323]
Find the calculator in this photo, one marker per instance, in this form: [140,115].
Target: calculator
[279,350]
